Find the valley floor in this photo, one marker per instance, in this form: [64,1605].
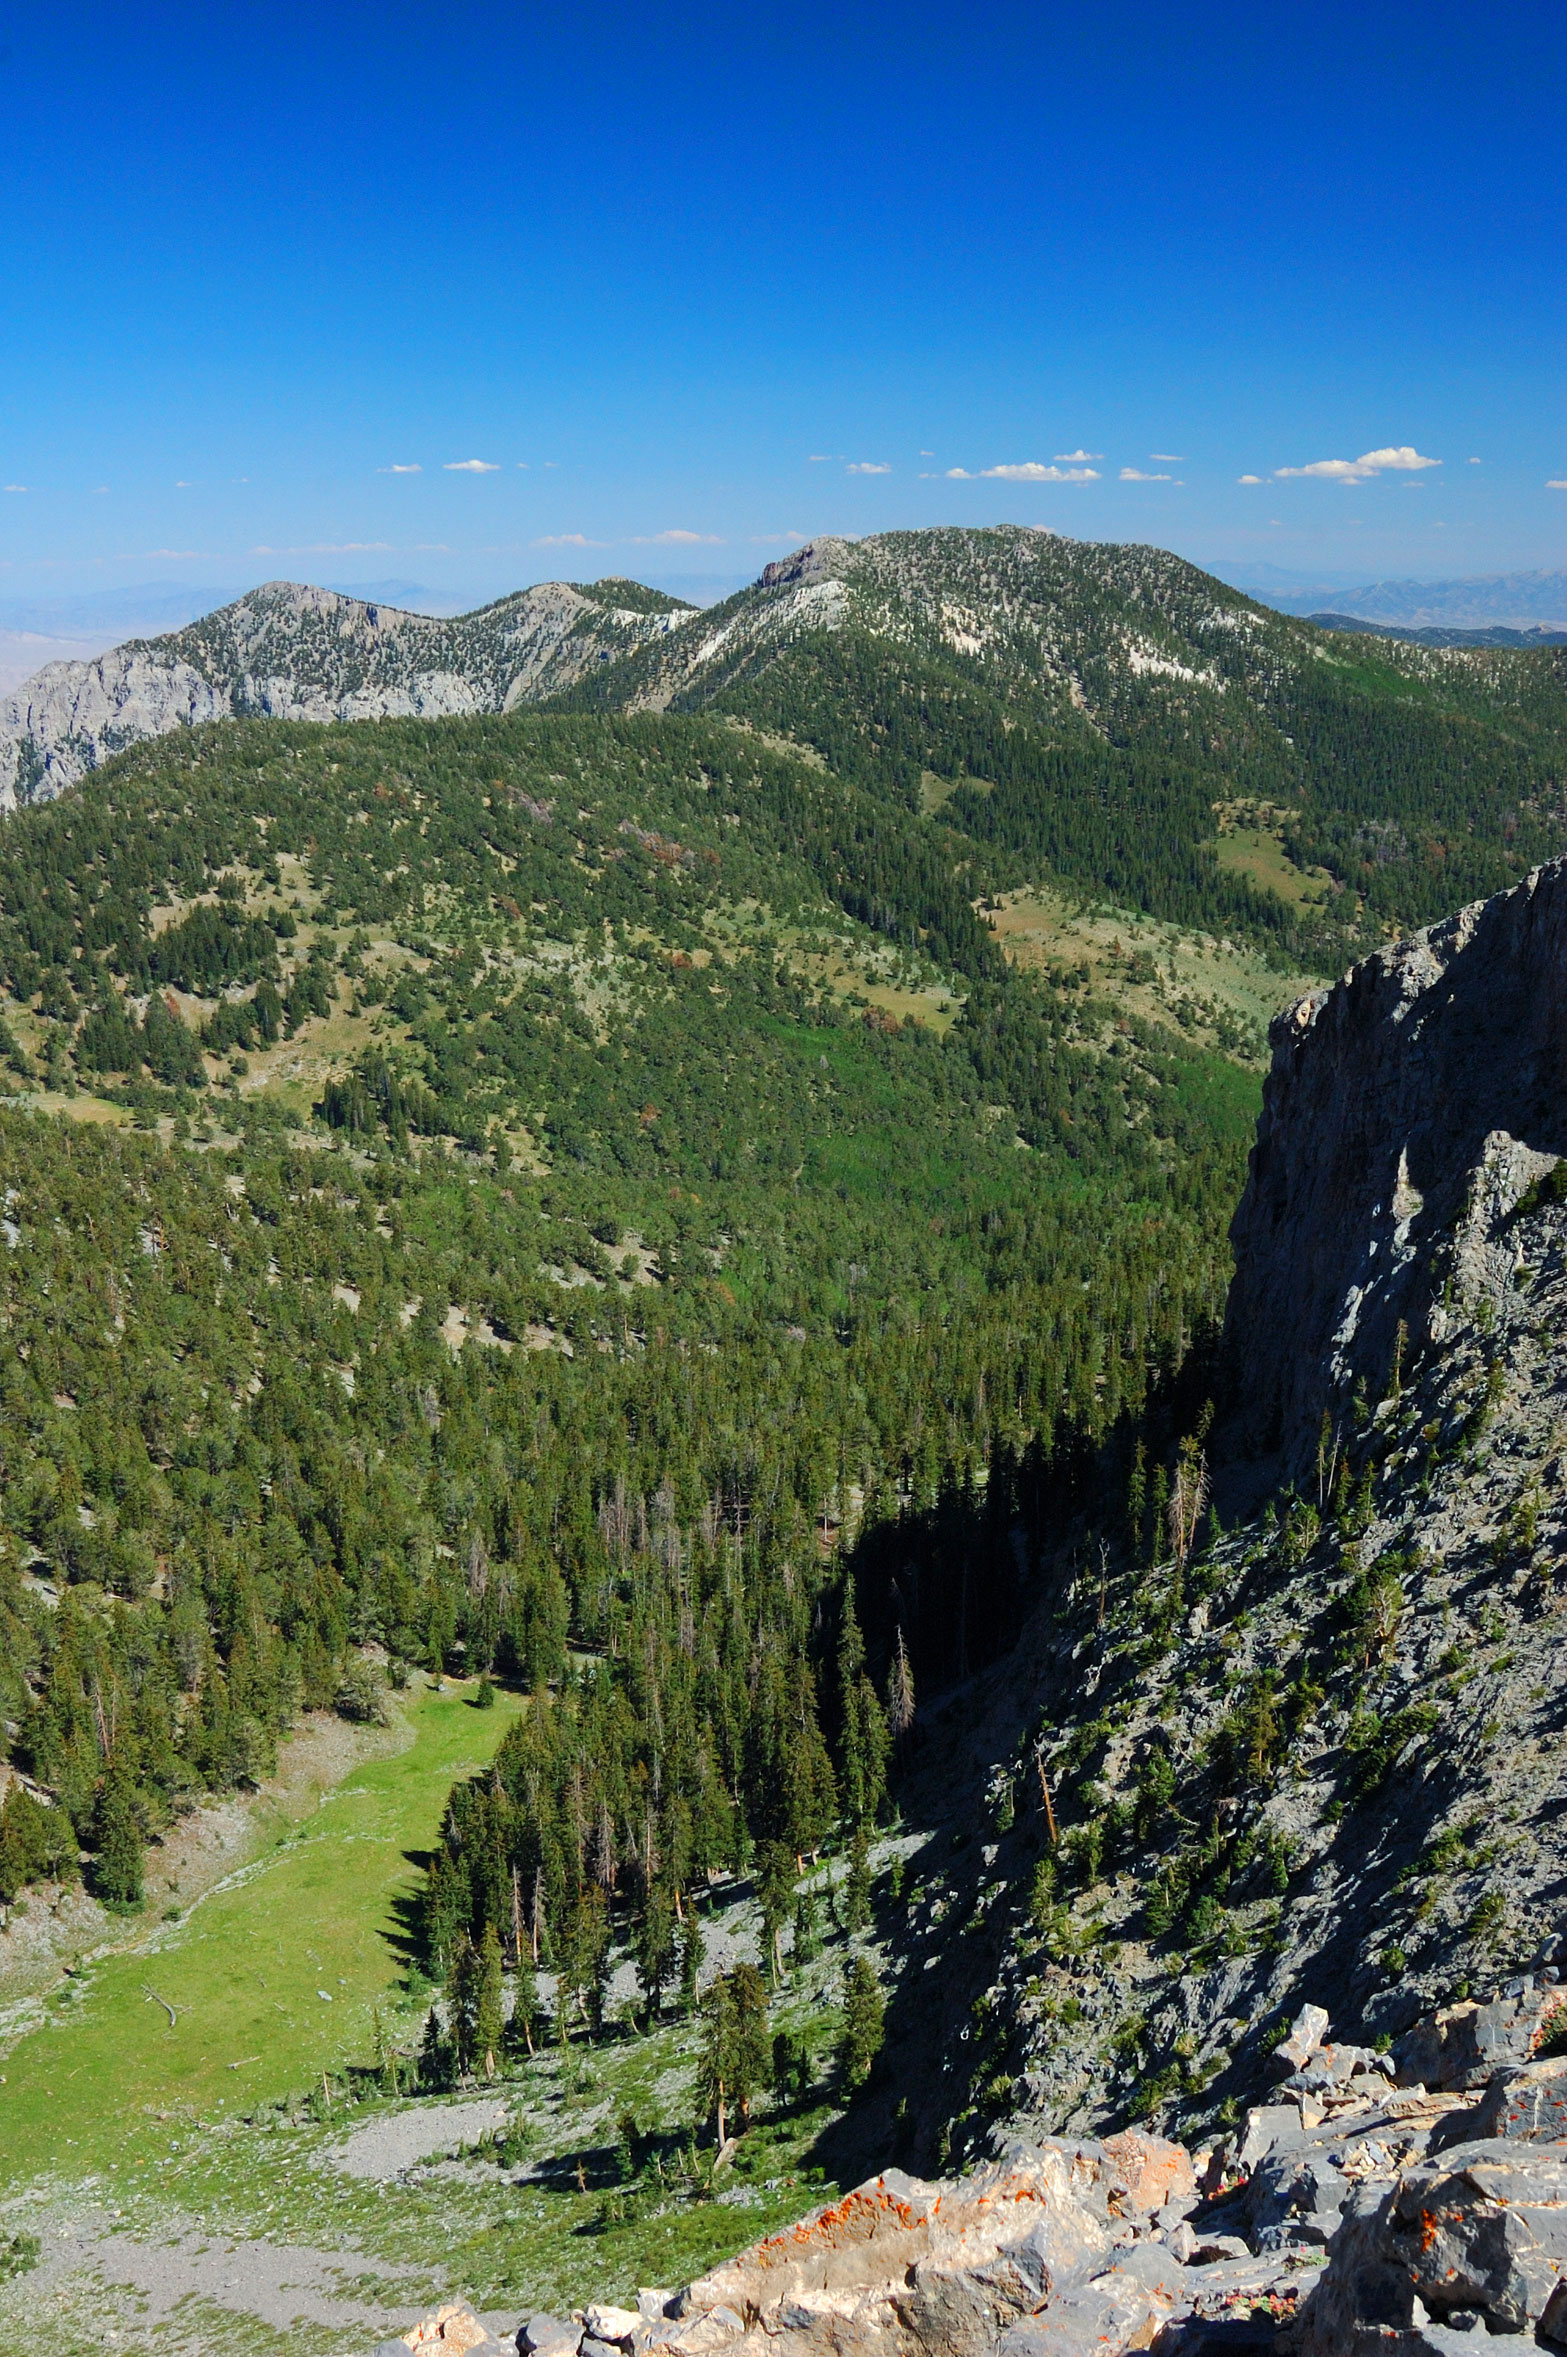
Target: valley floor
[200,2189]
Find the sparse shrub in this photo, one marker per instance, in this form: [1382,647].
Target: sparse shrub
[361,1693]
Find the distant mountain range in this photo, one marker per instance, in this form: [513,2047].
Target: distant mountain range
[1520,601]
[311,654]
[1494,634]
[1097,711]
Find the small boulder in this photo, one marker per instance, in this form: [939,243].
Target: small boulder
[1267,2126]
[547,2336]
[453,2331]
[613,2325]
[1306,2034]
[1527,2103]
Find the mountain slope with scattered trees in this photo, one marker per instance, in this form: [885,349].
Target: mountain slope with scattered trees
[497,1244]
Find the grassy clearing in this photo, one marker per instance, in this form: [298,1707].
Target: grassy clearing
[118,2133]
[244,1970]
[1218,993]
[1250,845]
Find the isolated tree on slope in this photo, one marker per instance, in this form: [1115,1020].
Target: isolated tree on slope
[736,2054]
[117,1864]
[862,2025]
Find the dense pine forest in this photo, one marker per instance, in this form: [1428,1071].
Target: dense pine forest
[479,1224]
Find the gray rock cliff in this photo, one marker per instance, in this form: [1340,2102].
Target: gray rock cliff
[1432,1076]
[297,653]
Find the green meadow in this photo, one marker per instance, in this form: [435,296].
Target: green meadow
[272,1978]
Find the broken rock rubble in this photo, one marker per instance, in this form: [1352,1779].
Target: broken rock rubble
[1394,2205]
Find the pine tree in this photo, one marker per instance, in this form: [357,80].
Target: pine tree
[716,2060]
[774,1890]
[117,1843]
[447,1900]
[861,2023]
[865,1741]
[900,1697]
[753,2044]
[857,1883]
[655,1948]
[489,2026]
[463,1980]
[693,1947]
[434,2054]
[807,1930]
[525,2001]
[736,2053]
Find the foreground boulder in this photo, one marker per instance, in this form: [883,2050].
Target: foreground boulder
[1475,2237]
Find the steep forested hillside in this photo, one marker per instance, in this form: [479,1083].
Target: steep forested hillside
[535,1185]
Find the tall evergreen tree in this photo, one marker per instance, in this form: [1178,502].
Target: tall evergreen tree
[861,2023]
[118,1874]
[489,2019]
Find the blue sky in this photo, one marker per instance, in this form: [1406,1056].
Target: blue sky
[477,295]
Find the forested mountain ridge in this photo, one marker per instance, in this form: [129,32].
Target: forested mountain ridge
[1100,709]
[311,654]
[1106,714]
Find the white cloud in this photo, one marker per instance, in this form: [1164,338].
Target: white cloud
[569,540]
[820,458]
[1556,483]
[1030,471]
[772,539]
[1400,459]
[1076,457]
[1473,462]
[1248,478]
[522,466]
[16,486]
[1134,474]
[684,539]
[1166,458]
[191,552]
[471,466]
[927,454]
[182,486]
[867,466]
[414,469]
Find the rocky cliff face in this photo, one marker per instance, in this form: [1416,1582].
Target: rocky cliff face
[1322,1753]
[307,654]
[1405,1109]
